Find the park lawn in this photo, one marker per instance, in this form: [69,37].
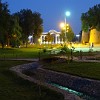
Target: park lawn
[12,87]
[19,53]
[32,52]
[82,69]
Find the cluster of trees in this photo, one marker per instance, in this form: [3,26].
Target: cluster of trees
[15,28]
[67,34]
[91,19]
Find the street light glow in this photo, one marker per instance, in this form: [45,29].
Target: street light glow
[67,13]
[62,25]
[67,24]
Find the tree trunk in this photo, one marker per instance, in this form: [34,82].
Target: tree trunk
[26,44]
[8,42]
[2,44]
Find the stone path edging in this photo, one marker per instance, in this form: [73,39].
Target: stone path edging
[18,69]
[84,85]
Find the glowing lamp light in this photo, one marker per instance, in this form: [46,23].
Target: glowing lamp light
[62,25]
[67,13]
[67,24]
[39,40]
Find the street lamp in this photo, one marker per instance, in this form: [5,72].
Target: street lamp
[67,13]
[64,25]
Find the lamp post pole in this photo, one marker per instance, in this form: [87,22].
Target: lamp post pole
[65,29]
[66,25]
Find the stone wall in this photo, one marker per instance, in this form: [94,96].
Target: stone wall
[94,36]
[91,37]
[85,37]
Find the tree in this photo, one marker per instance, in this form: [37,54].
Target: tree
[85,26]
[4,23]
[37,26]
[91,19]
[31,23]
[70,34]
[67,33]
[15,31]
[26,23]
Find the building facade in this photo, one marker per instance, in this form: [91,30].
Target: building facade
[55,35]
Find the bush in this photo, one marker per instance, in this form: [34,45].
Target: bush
[65,49]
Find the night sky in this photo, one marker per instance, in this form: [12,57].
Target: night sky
[53,11]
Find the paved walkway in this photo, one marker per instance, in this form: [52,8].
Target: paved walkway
[24,59]
[84,59]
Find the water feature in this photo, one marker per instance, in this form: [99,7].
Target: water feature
[81,95]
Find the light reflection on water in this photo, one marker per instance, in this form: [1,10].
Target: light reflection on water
[81,95]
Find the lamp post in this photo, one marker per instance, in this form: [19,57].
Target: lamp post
[67,13]
[65,26]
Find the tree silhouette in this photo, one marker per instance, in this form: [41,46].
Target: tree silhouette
[4,23]
[68,32]
[26,23]
[91,19]
[37,26]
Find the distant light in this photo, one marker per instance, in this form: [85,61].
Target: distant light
[77,35]
[62,25]
[67,13]
[30,37]
[67,24]
[39,39]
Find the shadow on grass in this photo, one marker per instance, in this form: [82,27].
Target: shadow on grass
[21,85]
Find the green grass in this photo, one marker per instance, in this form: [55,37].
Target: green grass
[83,69]
[32,52]
[12,87]
[90,70]
[19,53]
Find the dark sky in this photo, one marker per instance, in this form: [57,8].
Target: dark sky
[53,11]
